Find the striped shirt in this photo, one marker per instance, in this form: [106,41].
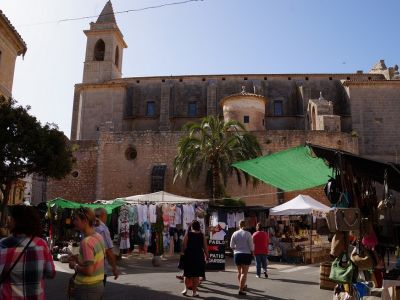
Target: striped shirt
[26,280]
[91,252]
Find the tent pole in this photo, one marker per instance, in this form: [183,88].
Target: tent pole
[311,227]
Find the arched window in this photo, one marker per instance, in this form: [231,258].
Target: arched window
[99,50]
[116,56]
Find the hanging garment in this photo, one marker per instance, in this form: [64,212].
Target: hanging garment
[166,241]
[165,216]
[147,234]
[123,228]
[172,211]
[191,213]
[140,214]
[239,217]
[214,219]
[133,215]
[178,215]
[152,213]
[145,213]
[231,220]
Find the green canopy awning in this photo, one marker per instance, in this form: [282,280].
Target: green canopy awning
[290,170]
[62,203]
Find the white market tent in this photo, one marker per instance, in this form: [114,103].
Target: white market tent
[300,205]
[161,197]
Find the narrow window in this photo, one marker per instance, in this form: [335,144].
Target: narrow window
[192,109]
[246,119]
[150,109]
[116,56]
[99,50]
[278,108]
[157,178]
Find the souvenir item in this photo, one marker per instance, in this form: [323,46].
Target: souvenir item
[341,271]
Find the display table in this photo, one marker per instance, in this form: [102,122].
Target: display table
[314,254]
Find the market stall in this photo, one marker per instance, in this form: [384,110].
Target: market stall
[366,225]
[156,222]
[62,233]
[294,222]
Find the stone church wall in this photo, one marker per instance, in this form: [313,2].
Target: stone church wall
[375,112]
[80,185]
[123,102]
[118,176]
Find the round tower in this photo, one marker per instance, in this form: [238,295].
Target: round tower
[247,108]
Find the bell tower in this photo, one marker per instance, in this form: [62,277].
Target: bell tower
[104,47]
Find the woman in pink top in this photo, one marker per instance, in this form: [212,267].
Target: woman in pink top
[261,241]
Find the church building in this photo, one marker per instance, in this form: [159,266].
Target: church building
[125,130]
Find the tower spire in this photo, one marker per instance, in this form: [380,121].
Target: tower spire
[107,14]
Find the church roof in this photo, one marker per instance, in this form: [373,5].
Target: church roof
[23,47]
[107,14]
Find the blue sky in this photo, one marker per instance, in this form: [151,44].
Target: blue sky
[204,37]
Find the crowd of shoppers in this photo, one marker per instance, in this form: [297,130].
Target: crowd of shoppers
[25,259]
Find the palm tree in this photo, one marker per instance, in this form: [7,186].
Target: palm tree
[213,146]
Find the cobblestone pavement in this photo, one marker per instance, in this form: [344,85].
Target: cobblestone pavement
[140,280]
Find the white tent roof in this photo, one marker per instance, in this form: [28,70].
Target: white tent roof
[300,205]
[161,197]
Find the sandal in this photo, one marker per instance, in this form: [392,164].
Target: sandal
[184,292]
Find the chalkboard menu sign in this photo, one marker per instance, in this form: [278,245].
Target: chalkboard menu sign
[216,251]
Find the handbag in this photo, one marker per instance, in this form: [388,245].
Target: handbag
[362,258]
[330,220]
[341,274]
[347,219]
[4,274]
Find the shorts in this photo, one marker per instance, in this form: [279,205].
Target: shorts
[241,259]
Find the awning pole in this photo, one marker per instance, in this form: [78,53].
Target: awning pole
[311,238]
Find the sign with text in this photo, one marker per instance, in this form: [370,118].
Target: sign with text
[216,252]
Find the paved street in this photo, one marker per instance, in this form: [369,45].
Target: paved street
[140,280]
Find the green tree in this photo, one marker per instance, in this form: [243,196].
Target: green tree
[27,147]
[212,147]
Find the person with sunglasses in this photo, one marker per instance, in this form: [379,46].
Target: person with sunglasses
[89,266]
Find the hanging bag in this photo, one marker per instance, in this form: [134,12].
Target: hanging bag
[347,219]
[362,258]
[342,271]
